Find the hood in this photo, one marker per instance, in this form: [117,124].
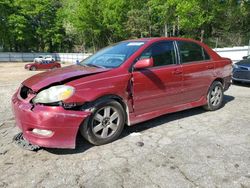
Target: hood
[245,63]
[44,79]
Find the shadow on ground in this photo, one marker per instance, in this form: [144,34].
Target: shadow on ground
[82,145]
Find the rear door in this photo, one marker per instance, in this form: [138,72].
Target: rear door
[159,86]
[198,70]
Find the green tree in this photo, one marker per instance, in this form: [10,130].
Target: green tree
[31,25]
[65,25]
[5,11]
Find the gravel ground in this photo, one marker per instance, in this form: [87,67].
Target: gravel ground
[192,148]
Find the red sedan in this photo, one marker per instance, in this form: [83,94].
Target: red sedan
[45,64]
[124,84]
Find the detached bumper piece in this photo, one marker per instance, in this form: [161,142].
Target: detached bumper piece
[21,142]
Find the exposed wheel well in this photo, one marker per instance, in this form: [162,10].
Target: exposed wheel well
[118,99]
[114,97]
[217,79]
[221,80]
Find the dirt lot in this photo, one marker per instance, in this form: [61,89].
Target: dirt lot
[193,148]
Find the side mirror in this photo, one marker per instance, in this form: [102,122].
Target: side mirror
[144,63]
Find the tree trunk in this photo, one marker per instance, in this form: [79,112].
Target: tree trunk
[178,26]
[174,28]
[50,46]
[166,30]
[150,30]
[94,48]
[202,35]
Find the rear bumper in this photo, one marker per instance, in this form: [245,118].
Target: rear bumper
[227,83]
[64,124]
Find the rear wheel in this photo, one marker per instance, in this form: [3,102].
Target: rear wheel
[215,96]
[105,124]
[55,67]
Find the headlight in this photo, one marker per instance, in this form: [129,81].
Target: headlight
[54,94]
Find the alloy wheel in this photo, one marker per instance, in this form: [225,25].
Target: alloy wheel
[105,122]
[216,95]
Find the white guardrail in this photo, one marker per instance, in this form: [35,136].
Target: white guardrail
[29,57]
[234,53]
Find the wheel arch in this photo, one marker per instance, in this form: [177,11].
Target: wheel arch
[91,106]
[219,80]
[222,81]
[208,105]
[120,100]
[32,67]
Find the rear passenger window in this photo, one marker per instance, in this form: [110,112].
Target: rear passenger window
[163,53]
[190,51]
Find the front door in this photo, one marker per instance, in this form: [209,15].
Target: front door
[158,87]
[43,64]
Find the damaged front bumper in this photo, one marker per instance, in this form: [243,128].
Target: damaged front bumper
[47,126]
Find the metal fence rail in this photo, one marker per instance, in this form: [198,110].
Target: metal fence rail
[29,57]
[234,53]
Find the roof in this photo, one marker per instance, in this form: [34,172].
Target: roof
[163,38]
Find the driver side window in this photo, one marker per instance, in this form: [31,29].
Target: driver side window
[163,53]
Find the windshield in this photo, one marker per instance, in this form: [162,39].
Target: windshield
[113,56]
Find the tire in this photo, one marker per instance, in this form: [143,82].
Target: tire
[105,124]
[215,96]
[55,67]
[33,68]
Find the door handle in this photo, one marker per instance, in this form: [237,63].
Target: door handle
[177,72]
[210,66]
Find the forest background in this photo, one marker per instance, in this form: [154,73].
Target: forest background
[88,25]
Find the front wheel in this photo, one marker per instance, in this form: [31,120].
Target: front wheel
[105,124]
[215,96]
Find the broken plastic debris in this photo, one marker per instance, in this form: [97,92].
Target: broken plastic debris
[21,142]
[135,134]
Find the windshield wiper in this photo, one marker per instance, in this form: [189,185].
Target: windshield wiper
[93,65]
